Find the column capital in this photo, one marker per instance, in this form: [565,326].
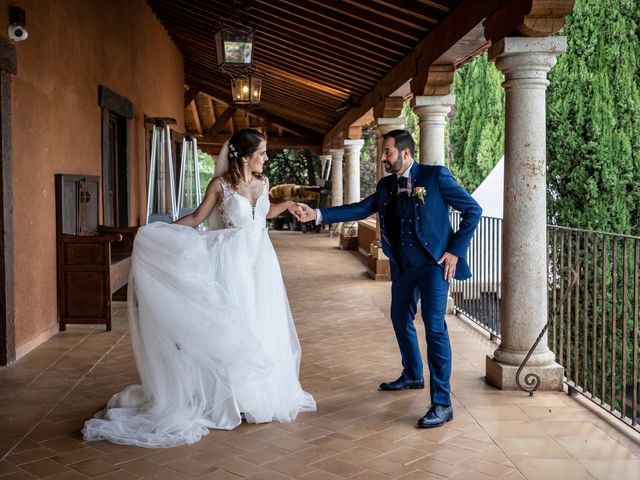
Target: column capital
[384,125]
[350,144]
[527,58]
[336,152]
[433,101]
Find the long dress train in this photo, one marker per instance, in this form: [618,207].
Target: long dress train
[211,331]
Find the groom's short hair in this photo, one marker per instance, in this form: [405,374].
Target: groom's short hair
[403,139]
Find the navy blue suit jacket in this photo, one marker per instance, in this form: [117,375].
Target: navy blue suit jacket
[432,224]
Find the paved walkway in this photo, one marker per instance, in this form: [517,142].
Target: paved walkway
[358,432]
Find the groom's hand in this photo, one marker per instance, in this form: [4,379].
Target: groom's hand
[450,261]
[308,212]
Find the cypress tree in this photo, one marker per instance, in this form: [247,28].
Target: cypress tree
[593,120]
[477,132]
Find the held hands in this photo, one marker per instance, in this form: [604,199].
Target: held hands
[450,261]
[302,211]
[296,210]
[308,213]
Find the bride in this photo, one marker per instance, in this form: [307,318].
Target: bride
[211,329]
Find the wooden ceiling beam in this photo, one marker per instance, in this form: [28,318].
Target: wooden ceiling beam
[190,95]
[224,96]
[531,18]
[222,120]
[261,111]
[196,116]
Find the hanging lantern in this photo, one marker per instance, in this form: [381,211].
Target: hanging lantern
[246,89]
[234,45]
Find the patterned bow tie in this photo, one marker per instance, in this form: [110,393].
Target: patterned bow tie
[402,185]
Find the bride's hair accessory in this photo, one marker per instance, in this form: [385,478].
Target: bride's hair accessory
[233,153]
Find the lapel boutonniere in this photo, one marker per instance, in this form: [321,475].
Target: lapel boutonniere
[419,193]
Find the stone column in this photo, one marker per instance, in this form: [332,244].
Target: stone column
[377,261]
[352,149]
[525,63]
[324,159]
[432,111]
[337,156]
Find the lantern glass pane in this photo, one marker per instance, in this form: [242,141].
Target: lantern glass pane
[256,89]
[234,46]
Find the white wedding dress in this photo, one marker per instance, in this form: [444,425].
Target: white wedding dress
[211,331]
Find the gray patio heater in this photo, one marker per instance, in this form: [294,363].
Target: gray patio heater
[161,197]
[189,193]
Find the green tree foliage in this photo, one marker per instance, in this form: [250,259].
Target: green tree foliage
[593,161]
[477,132]
[284,166]
[292,166]
[594,120]
[205,166]
[412,125]
[368,162]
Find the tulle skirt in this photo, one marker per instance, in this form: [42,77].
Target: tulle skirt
[212,335]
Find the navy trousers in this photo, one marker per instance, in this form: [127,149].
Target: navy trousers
[425,283]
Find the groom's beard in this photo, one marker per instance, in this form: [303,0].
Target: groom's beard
[393,167]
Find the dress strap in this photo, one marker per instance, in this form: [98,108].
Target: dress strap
[227,189]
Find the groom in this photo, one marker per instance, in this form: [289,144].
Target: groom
[425,254]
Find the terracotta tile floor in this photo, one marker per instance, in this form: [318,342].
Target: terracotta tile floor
[358,432]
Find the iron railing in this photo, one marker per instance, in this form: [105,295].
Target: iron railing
[479,297]
[594,333]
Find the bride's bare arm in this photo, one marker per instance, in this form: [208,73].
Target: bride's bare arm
[277,208]
[211,198]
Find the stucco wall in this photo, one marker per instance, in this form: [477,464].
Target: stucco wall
[74,46]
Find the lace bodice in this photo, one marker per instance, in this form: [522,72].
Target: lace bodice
[237,212]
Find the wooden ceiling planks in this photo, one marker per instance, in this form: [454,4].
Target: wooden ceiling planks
[313,54]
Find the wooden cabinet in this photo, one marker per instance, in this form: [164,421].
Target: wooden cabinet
[93,261]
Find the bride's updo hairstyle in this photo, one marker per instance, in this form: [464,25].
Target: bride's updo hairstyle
[243,144]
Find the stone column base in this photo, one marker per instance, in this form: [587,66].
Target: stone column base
[451,306]
[503,376]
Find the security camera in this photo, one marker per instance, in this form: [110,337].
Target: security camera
[17,24]
[17,32]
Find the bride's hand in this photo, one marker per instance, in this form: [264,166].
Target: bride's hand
[297,211]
